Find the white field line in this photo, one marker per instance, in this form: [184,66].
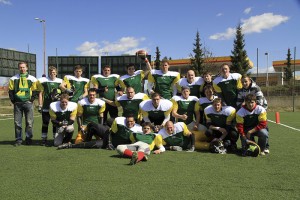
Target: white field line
[284,125]
[13,118]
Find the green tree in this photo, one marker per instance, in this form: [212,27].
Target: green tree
[157,59]
[197,60]
[239,58]
[287,70]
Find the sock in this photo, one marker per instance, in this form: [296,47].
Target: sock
[127,153]
[140,156]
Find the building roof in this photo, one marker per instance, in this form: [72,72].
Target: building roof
[279,65]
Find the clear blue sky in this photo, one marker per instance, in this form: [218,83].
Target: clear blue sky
[116,27]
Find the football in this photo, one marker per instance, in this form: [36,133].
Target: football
[142,54]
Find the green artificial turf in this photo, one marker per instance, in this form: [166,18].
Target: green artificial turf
[37,172]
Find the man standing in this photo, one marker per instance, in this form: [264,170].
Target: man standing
[76,86]
[163,81]
[191,81]
[107,83]
[46,87]
[22,88]
[227,85]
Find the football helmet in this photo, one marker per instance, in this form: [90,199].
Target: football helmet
[253,150]
[55,94]
[217,147]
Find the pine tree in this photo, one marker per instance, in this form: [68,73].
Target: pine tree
[197,60]
[239,58]
[157,59]
[287,70]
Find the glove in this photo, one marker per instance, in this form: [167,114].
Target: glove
[69,91]
[40,109]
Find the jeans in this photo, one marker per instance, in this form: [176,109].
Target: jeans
[19,109]
[262,135]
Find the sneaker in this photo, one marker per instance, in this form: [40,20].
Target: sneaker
[176,148]
[28,141]
[64,146]
[134,158]
[266,151]
[145,158]
[262,153]
[110,147]
[192,149]
[18,143]
[43,142]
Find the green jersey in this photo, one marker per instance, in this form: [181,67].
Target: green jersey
[131,106]
[134,81]
[111,82]
[79,84]
[220,119]
[90,111]
[46,85]
[120,133]
[194,86]
[186,106]
[163,82]
[178,137]
[56,112]
[227,88]
[22,87]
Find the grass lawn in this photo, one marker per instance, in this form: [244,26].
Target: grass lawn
[35,172]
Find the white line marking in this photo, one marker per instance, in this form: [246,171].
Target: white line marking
[13,118]
[284,125]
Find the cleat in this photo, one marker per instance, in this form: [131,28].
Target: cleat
[43,142]
[28,141]
[192,149]
[18,143]
[262,153]
[134,158]
[176,148]
[266,151]
[110,147]
[64,146]
[145,158]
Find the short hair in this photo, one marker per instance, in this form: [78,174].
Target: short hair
[148,124]
[245,76]
[130,87]
[129,115]
[106,66]
[165,61]
[224,65]
[155,94]
[20,63]
[207,73]
[92,90]
[130,65]
[217,100]
[52,68]
[78,67]
[250,97]
[64,96]
[208,87]
[185,88]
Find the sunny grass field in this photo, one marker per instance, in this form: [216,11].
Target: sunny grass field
[35,172]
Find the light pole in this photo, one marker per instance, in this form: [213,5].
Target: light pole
[44,36]
[267,80]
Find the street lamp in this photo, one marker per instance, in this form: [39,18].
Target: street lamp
[44,36]
[267,80]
